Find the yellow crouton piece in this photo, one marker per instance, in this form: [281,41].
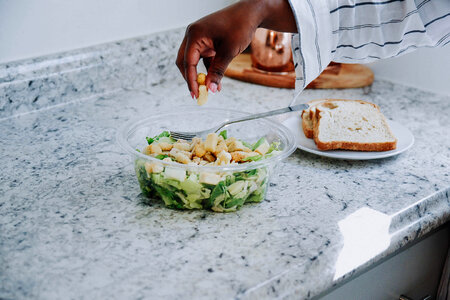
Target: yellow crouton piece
[209,157]
[211,142]
[199,150]
[201,79]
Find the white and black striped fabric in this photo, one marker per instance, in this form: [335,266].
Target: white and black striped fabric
[361,31]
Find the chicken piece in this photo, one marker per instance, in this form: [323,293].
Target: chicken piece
[197,160]
[211,142]
[202,95]
[223,158]
[174,151]
[199,150]
[229,140]
[209,178]
[240,156]
[263,148]
[153,149]
[237,146]
[167,159]
[165,146]
[253,153]
[153,167]
[195,141]
[182,146]
[182,157]
[222,146]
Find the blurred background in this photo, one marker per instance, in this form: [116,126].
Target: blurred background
[30,28]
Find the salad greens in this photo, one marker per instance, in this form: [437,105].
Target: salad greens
[221,191]
[164,136]
[229,194]
[258,143]
[161,156]
[224,134]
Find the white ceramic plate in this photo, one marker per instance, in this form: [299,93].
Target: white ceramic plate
[405,140]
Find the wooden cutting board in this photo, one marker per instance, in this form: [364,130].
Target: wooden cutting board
[335,76]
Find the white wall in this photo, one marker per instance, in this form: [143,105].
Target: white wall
[427,68]
[30,28]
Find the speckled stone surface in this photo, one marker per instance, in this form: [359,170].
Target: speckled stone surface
[41,82]
[72,224]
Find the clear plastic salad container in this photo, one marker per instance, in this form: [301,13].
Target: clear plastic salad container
[179,185]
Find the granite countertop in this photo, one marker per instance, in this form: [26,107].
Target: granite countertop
[72,224]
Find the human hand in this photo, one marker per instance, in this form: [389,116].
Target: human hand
[221,36]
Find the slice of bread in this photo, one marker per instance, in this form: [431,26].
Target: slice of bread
[307,123]
[308,117]
[351,125]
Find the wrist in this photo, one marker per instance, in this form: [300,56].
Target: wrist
[260,10]
[275,15]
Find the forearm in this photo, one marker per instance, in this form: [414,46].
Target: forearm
[277,16]
[221,36]
[271,14]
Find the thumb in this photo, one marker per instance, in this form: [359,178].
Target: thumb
[216,70]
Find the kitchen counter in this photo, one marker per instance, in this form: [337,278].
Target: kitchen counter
[72,224]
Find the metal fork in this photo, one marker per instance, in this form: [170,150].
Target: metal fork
[182,135]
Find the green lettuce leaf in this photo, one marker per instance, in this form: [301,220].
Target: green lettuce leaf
[253,158]
[258,143]
[224,134]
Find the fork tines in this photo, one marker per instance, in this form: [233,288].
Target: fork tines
[181,135]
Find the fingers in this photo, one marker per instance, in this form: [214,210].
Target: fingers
[191,58]
[193,47]
[216,70]
[207,62]
[180,57]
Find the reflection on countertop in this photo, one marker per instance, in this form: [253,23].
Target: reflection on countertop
[365,235]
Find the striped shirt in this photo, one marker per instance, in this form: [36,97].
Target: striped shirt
[361,31]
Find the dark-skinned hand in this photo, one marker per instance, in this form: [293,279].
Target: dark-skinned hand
[221,36]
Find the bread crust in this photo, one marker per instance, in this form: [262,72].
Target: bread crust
[308,117]
[367,147]
[307,129]
[355,146]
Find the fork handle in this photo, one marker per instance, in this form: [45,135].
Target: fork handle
[298,107]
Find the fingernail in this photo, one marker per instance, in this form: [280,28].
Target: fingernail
[213,87]
[192,95]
